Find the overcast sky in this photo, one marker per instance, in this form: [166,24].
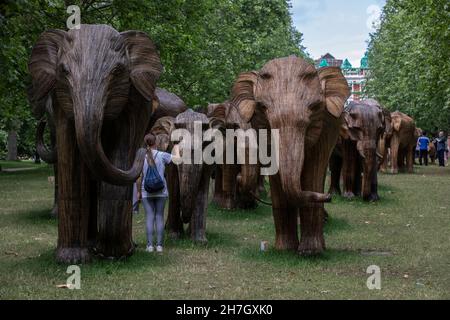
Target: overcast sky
[340,27]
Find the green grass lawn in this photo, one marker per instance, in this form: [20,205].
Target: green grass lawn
[406,234]
[20,164]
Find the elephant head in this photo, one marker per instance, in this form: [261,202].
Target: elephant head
[89,73]
[365,123]
[290,95]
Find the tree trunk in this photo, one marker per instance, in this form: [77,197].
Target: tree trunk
[12,145]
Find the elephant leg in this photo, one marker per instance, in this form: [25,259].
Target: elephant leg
[386,159]
[285,217]
[370,178]
[384,162]
[394,154]
[374,188]
[261,188]
[198,219]
[92,228]
[401,160]
[229,186]
[358,180]
[410,159]
[349,168]
[218,191]
[246,201]
[73,197]
[174,224]
[54,212]
[335,178]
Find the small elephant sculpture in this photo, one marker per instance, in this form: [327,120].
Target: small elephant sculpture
[402,143]
[356,154]
[304,105]
[101,86]
[188,183]
[236,185]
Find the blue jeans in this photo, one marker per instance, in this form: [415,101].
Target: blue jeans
[154,210]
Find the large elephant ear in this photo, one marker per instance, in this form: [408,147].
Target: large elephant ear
[217,113]
[344,131]
[335,89]
[145,64]
[242,94]
[42,66]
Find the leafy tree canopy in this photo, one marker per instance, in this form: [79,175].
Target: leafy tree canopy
[409,58]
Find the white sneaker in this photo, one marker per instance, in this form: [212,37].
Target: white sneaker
[150,249]
[159,249]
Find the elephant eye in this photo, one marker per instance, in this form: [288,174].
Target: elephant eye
[118,69]
[315,105]
[266,76]
[63,68]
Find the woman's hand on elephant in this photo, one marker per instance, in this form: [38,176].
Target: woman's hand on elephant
[176,153]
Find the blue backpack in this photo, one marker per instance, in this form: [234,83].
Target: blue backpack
[153,181]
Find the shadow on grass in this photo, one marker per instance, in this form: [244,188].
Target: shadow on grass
[45,263]
[36,217]
[215,240]
[335,224]
[293,259]
[261,211]
[387,198]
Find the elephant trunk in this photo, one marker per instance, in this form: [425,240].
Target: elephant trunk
[48,155]
[248,178]
[189,176]
[88,114]
[292,155]
[368,152]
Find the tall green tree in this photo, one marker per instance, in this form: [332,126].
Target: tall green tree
[410,60]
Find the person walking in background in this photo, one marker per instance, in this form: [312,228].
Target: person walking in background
[423,142]
[442,148]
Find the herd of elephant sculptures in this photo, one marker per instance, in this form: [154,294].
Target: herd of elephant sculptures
[96,90]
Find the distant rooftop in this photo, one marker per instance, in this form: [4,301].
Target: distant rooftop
[346,64]
[328,60]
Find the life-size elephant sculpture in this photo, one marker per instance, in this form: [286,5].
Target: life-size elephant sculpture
[188,183]
[101,84]
[357,155]
[235,185]
[402,143]
[304,105]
